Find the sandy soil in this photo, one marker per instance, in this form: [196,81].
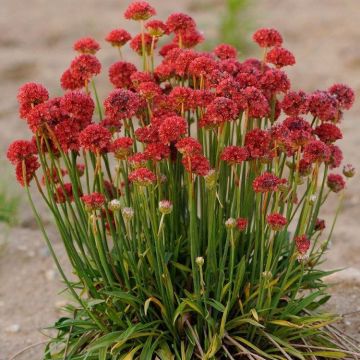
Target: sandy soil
[35,44]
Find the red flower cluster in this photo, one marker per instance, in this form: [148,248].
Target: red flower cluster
[234,154]
[268,182]
[94,201]
[118,37]
[86,45]
[188,146]
[95,138]
[241,224]
[142,176]
[120,74]
[20,150]
[280,57]
[302,244]
[276,221]
[139,10]
[267,38]
[196,164]
[172,128]
[122,147]
[335,182]
[225,51]
[30,95]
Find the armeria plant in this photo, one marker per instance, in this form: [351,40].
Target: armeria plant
[188,204]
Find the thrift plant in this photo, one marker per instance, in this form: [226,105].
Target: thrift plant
[189,201]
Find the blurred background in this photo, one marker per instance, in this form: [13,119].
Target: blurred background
[36,40]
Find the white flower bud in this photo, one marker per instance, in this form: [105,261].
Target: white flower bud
[114,205]
[128,213]
[165,206]
[200,261]
[230,223]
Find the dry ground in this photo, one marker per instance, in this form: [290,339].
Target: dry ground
[35,44]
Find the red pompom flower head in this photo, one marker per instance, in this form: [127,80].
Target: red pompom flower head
[335,182]
[118,37]
[267,38]
[172,128]
[30,95]
[87,45]
[268,182]
[95,138]
[142,176]
[139,10]
[94,201]
[276,221]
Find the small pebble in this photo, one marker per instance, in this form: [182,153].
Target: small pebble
[44,251]
[14,328]
[50,274]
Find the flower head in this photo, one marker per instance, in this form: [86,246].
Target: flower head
[276,221]
[86,45]
[241,224]
[64,193]
[156,28]
[234,154]
[142,176]
[349,170]
[196,164]
[165,206]
[267,182]
[295,103]
[316,151]
[70,82]
[254,101]
[157,151]
[95,138]
[258,144]
[20,150]
[122,147]
[267,37]
[84,67]
[120,74]
[137,43]
[121,104]
[67,135]
[172,128]
[139,10]
[118,37]
[220,110]
[280,57]
[302,243]
[29,166]
[225,51]
[344,95]
[94,201]
[324,105]
[335,182]
[30,95]
[328,133]
[78,107]
[188,146]
[178,22]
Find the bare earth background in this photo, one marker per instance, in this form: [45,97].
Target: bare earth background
[35,45]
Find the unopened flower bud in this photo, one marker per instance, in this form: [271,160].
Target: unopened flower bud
[114,205]
[200,261]
[162,178]
[128,213]
[210,179]
[165,206]
[312,199]
[230,223]
[349,170]
[267,275]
